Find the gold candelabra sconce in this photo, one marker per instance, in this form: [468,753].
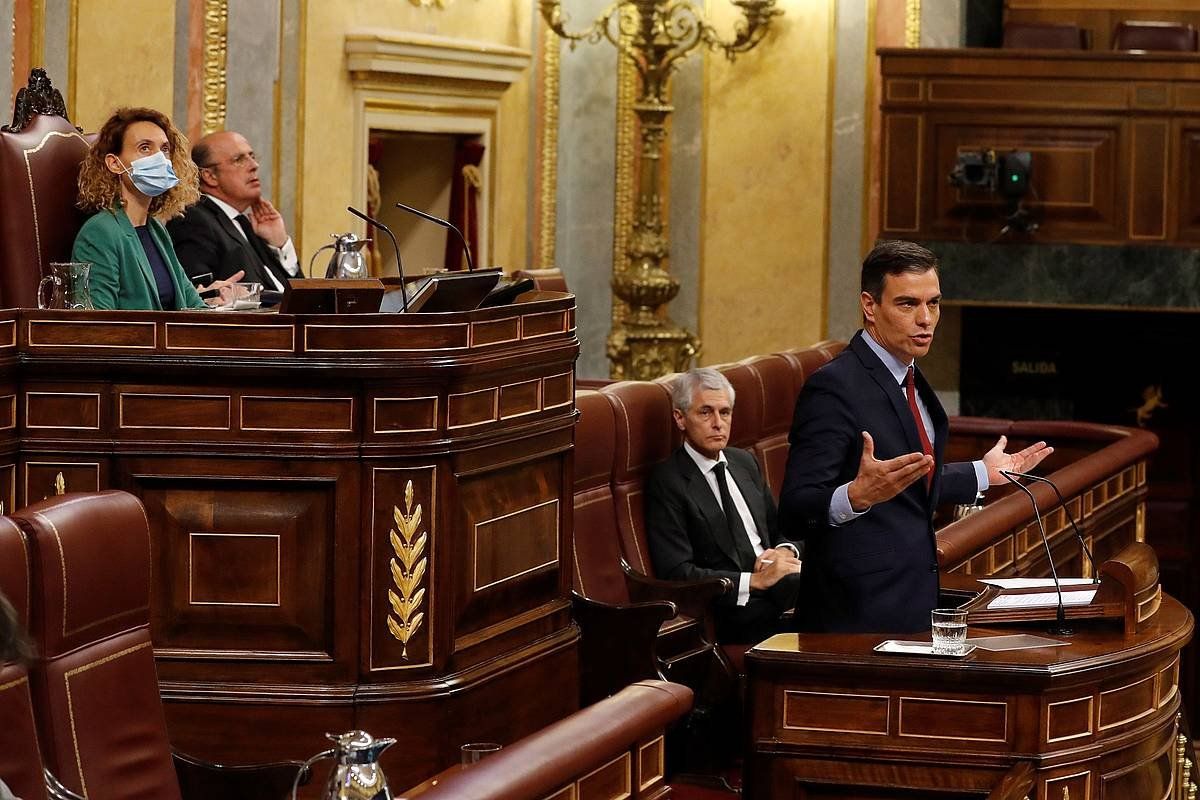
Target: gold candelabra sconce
[655,35]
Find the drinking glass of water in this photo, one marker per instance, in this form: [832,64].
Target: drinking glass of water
[949,631]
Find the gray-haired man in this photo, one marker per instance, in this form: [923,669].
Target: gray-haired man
[710,514]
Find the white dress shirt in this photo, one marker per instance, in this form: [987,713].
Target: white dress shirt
[287,254]
[706,466]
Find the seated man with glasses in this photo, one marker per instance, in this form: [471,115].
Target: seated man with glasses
[233,227]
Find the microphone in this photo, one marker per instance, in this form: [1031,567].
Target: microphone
[1061,628]
[1070,518]
[396,247]
[445,223]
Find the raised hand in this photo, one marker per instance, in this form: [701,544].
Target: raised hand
[878,481]
[997,461]
[268,223]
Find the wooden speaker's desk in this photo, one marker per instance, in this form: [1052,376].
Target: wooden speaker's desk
[358,521]
[1097,719]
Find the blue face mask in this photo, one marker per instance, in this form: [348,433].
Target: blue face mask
[152,175]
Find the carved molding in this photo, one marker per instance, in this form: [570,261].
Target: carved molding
[38,96]
[389,55]
[548,189]
[216,25]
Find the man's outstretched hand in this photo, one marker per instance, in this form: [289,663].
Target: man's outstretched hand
[996,460]
[878,481]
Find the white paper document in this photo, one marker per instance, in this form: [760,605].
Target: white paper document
[1033,583]
[1042,599]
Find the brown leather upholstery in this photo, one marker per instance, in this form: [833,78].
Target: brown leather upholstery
[557,756]
[39,168]
[1143,35]
[597,547]
[96,691]
[20,756]
[747,407]
[1044,36]
[779,392]
[643,439]
[545,280]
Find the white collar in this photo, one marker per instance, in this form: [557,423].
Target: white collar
[894,365]
[705,463]
[229,210]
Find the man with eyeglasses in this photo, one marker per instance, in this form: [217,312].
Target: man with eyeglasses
[233,227]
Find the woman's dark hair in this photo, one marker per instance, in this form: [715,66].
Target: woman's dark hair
[893,258]
[14,643]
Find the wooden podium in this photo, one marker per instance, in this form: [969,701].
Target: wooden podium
[1098,718]
[359,521]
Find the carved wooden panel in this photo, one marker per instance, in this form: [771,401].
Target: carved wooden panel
[1074,176]
[367,338]
[1105,132]
[836,712]
[1188,177]
[40,477]
[477,407]
[1074,784]
[8,487]
[1124,704]
[164,411]
[63,408]
[962,720]
[519,399]
[244,562]
[513,523]
[613,781]
[902,164]
[497,331]
[1069,719]
[392,415]
[1150,146]
[403,547]
[211,337]
[307,414]
[651,764]
[52,335]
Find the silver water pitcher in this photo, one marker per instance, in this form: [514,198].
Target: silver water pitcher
[347,260]
[357,775]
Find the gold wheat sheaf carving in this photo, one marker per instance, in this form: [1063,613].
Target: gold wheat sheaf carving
[408,571]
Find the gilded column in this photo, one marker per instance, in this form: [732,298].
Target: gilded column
[216,23]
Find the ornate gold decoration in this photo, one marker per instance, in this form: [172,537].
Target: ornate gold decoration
[654,36]
[216,26]
[60,485]
[408,571]
[912,23]
[548,194]
[431,3]
[624,196]
[1152,400]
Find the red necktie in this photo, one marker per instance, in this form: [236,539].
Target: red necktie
[910,389]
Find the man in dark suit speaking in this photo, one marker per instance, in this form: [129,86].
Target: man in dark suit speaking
[866,467]
[233,227]
[710,514]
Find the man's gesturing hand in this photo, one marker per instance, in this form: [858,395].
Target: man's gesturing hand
[878,481]
[996,459]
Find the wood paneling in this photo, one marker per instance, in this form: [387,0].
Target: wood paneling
[317,489]
[1113,139]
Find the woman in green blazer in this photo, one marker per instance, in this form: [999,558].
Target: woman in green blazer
[138,171]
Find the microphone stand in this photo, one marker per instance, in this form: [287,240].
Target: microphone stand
[445,223]
[399,263]
[1070,518]
[1060,628]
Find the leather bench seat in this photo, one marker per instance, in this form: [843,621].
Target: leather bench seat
[625,429]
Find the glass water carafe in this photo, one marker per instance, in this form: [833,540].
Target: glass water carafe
[66,287]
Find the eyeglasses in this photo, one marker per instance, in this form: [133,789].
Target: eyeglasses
[238,161]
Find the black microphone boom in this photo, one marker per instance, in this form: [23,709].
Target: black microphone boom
[1061,629]
[445,223]
[1070,518]
[396,247]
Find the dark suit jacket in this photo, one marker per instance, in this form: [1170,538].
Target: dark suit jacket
[207,240]
[685,528]
[878,572]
